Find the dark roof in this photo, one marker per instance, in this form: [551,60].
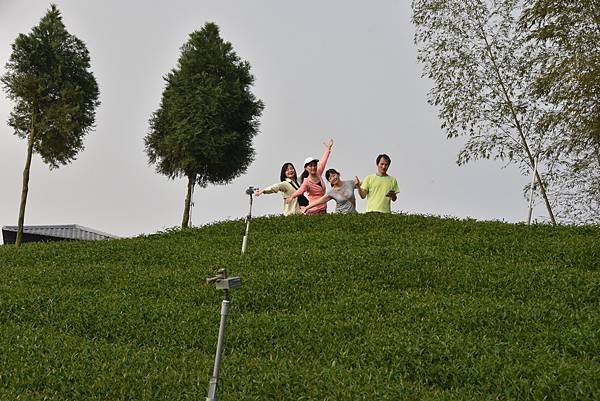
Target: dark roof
[71,231]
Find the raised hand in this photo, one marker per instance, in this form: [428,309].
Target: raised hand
[329,143]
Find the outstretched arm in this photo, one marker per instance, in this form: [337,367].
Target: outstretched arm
[269,190]
[323,161]
[320,201]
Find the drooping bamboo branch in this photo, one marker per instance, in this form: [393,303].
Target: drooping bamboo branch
[516,121]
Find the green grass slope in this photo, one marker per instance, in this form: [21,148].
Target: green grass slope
[379,307]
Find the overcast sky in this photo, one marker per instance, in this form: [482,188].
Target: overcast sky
[341,69]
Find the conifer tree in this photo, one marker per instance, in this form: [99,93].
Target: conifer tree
[48,77]
[207,118]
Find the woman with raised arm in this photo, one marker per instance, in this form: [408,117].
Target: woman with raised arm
[312,183]
[341,191]
[287,186]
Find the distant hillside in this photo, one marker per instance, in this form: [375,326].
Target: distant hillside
[378,307]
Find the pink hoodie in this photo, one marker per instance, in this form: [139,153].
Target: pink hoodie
[315,190]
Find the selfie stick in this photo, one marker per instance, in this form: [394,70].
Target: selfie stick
[250,192]
[222,282]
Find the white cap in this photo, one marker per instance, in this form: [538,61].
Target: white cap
[310,159]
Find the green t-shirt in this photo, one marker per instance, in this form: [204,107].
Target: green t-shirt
[377,187]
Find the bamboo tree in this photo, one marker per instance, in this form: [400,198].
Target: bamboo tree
[515,116]
[478,61]
[569,81]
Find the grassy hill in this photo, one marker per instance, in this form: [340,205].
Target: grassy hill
[332,308]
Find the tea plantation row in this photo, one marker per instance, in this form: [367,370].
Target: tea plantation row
[385,307]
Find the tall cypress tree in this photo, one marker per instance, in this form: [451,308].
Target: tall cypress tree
[207,118]
[55,96]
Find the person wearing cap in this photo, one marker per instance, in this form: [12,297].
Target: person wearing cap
[380,189]
[287,186]
[341,191]
[312,183]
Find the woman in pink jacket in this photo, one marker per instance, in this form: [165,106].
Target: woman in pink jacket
[313,184]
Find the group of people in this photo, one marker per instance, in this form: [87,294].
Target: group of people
[310,196]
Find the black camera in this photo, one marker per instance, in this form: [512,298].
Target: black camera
[250,190]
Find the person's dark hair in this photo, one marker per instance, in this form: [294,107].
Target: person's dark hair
[383,156]
[282,176]
[305,172]
[329,172]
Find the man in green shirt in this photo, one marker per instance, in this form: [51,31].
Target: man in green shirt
[380,189]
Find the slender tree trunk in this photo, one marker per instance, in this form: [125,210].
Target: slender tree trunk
[188,202]
[518,125]
[25,189]
[545,196]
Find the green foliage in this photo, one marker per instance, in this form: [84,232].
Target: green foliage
[480,63]
[54,92]
[336,307]
[520,80]
[208,117]
[569,79]
[477,60]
